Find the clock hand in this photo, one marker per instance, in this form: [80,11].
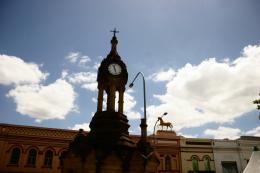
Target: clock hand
[114,68]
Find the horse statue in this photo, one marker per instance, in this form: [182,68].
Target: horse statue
[162,123]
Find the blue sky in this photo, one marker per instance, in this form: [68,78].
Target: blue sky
[201,60]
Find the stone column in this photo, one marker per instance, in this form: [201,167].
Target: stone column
[121,102]
[111,99]
[100,100]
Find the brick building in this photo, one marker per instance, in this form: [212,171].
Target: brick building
[32,149]
[27,149]
[37,149]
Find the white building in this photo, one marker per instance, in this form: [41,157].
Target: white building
[232,156]
[246,145]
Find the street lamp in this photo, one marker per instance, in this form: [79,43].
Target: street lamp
[165,113]
[143,124]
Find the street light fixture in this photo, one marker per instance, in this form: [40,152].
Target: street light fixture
[143,120]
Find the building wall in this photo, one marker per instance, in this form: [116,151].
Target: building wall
[226,151]
[238,151]
[199,148]
[167,144]
[26,138]
[167,148]
[57,140]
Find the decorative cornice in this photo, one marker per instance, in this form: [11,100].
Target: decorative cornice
[29,131]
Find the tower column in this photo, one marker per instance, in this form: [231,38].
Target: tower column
[121,101]
[111,99]
[100,100]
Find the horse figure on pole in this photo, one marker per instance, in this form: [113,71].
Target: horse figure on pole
[162,123]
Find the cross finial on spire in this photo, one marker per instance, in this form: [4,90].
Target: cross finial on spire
[115,31]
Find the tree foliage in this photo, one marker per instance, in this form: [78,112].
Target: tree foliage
[257,102]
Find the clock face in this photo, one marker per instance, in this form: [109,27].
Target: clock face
[114,69]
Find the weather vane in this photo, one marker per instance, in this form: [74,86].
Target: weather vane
[115,31]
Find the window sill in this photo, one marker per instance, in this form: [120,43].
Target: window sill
[29,166]
[12,165]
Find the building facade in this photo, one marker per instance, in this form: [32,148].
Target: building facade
[32,149]
[27,149]
[167,148]
[38,150]
[246,145]
[232,156]
[197,155]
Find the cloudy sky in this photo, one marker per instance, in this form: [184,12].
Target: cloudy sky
[200,58]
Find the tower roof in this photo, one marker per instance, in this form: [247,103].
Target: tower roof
[114,42]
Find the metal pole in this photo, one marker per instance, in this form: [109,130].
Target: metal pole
[144,92]
[154,131]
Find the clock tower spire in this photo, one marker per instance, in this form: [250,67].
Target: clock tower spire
[112,78]
[114,41]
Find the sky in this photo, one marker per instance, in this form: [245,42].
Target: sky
[200,59]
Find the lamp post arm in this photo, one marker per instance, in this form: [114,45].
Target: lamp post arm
[144,88]
[131,84]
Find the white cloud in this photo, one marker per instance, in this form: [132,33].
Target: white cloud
[211,91]
[84,126]
[129,105]
[94,99]
[90,86]
[87,80]
[77,57]
[84,60]
[187,135]
[223,132]
[14,70]
[53,101]
[96,65]
[73,57]
[82,77]
[64,74]
[162,75]
[231,133]
[254,132]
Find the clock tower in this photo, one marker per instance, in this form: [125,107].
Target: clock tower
[108,147]
[109,126]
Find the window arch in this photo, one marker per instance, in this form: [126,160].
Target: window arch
[206,160]
[31,160]
[48,157]
[168,163]
[195,163]
[15,156]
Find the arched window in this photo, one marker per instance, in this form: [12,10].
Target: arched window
[32,157]
[62,157]
[195,163]
[207,163]
[168,165]
[15,156]
[48,158]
